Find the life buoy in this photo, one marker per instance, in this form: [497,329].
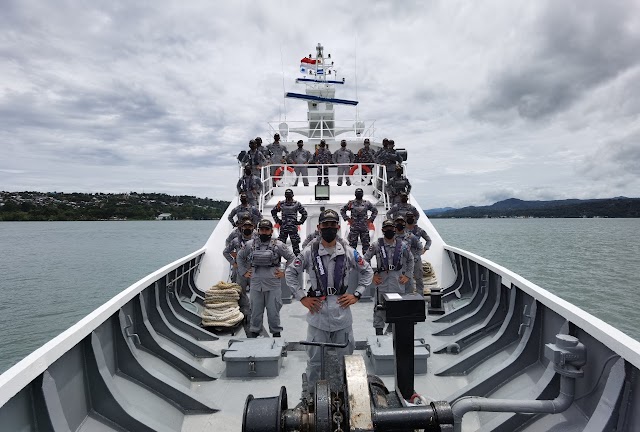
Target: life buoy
[277,175]
[365,168]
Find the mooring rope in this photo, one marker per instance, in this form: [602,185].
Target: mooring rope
[221,305]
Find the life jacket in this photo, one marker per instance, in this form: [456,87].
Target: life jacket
[321,272]
[264,257]
[383,259]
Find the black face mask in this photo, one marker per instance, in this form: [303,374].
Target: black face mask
[288,197]
[299,146]
[243,200]
[358,196]
[389,234]
[247,231]
[265,237]
[411,221]
[247,173]
[329,234]
[400,227]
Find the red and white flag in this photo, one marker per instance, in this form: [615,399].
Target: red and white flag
[307,64]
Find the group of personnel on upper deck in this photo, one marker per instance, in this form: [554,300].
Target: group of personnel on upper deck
[256,260]
[275,154]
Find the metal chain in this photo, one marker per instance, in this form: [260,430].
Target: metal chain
[337,417]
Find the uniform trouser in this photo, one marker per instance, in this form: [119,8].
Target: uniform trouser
[314,334]
[323,174]
[304,172]
[418,283]
[243,302]
[363,234]
[343,170]
[292,232]
[272,302]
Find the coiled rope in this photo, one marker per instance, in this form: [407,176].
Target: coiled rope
[429,278]
[221,305]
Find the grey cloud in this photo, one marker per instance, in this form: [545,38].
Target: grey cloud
[579,46]
[616,162]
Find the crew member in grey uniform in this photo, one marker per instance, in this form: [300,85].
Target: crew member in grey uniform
[259,260]
[264,150]
[414,246]
[390,158]
[301,157]
[254,158]
[359,220]
[328,262]
[245,210]
[289,221]
[250,185]
[366,155]
[397,185]
[394,269]
[278,154]
[230,252]
[323,156]
[343,156]
[314,235]
[418,272]
[402,208]
[380,159]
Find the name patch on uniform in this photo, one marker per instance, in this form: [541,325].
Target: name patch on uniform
[320,266]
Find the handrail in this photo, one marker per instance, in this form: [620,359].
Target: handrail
[617,341]
[25,371]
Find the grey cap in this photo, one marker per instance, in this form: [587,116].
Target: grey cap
[265,223]
[400,218]
[329,215]
[388,223]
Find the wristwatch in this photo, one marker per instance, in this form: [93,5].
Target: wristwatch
[357,295]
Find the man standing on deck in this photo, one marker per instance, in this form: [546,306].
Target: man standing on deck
[366,155]
[328,261]
[230,252]
[418,272]
[402,208]
[323,158]
[301,157]
[289,222]
[343,156]
[278,154]
[254,159]
[359,220]
[414,247]
[394,269]
[259,261]
[245,210]
[250,185]
[397,185]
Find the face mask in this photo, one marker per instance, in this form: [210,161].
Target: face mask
[400,227]
[411,221]
[288,197]
[247,172]
[329,234]
[265,237]
[389,234]
[358,196]
[299,145]
[243,200]
[247,231]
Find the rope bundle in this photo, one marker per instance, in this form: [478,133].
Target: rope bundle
[428,277]
[221,305]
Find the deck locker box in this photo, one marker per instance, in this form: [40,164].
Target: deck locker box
[380,353]
[247,358]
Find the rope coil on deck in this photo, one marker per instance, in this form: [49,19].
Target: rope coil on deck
[429,278]
[221,305]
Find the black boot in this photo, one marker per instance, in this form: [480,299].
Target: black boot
[379,331]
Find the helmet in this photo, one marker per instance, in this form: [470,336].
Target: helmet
[322,143]
[300,143]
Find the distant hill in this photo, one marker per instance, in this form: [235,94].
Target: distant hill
[59,206]
[619,207]
[438,210]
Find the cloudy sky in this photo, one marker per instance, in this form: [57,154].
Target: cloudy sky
[493,99]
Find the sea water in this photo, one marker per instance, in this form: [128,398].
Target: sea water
[52,274]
